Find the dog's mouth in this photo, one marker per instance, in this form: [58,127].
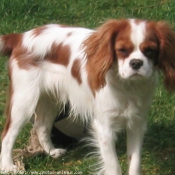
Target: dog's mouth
[137,76]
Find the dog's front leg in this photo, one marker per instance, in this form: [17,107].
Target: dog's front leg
[135,136]
[106,142]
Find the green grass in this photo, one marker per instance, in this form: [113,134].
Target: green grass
[158,157]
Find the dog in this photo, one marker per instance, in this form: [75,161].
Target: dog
[107,75]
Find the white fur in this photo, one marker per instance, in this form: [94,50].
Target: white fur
[43,90]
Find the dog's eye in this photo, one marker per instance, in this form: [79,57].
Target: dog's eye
[150,52]
[122,50]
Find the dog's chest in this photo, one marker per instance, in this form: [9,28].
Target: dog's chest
[128,106]
[126,103]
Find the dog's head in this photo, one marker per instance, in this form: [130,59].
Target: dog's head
[135,48]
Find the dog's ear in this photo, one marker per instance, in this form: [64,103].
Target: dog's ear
[100,53]
[166,58]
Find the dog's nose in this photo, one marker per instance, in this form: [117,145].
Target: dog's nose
[136,64]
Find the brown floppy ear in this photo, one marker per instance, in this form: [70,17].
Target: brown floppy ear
[99,49]
[167,54]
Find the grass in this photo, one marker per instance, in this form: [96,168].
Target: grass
[158,157]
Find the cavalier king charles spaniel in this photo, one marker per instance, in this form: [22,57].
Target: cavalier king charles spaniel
[108,76]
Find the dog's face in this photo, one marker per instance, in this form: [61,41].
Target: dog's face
[139,47]
[137,51]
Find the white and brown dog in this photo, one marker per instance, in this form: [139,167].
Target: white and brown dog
[107,75]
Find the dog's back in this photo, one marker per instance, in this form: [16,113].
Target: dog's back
[50,59]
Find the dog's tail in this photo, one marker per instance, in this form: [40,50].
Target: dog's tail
[8,43]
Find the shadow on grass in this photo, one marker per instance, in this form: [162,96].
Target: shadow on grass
[158,155]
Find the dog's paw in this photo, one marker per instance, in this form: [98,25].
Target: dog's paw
[12,169]
[57,153]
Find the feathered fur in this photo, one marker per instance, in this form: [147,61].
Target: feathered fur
[107,75]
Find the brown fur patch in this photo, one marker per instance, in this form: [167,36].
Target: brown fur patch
[75,71]
[150,46]
[8,106]
[123,48]
[150,50]
[39,30]
[11,41]
[25,60]
[6,127]
[8,115]
[123,44]
[13,47]
[59,54]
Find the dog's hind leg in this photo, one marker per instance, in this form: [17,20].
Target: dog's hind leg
[46,113]
[22,105]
